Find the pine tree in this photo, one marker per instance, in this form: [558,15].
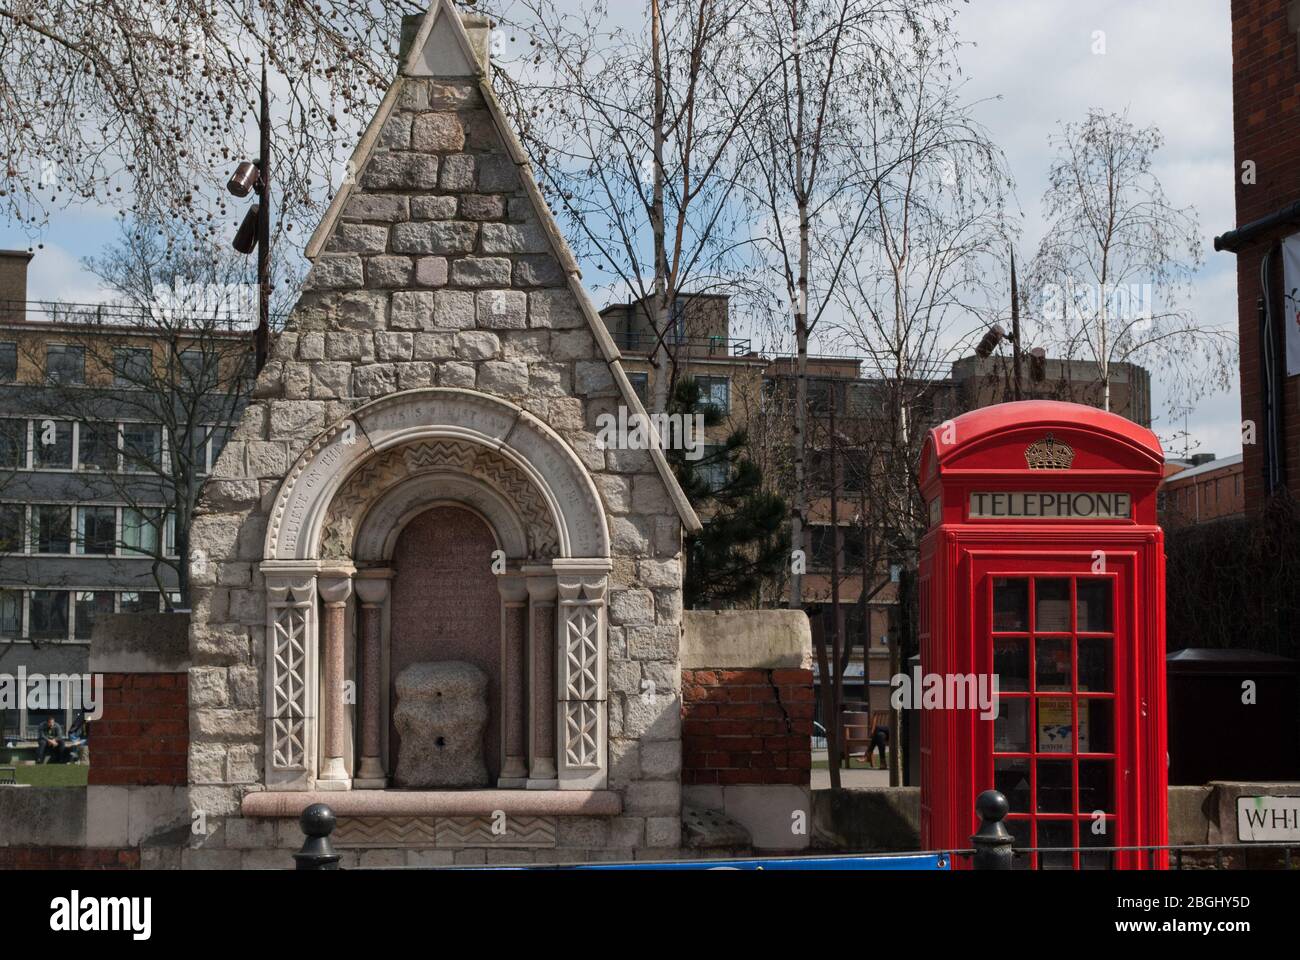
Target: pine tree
[745,540]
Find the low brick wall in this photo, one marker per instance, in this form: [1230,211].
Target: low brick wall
[143,736]
[68,858]
[747,726]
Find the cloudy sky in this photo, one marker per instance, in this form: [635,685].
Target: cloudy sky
[1031,63]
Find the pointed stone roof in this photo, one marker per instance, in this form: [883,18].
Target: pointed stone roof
[442,46]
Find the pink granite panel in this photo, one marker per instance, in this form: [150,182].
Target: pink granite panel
[446,606]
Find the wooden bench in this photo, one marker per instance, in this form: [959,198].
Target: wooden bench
[8,775]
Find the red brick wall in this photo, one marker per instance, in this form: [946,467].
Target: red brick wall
[746,726]
[143,736]
[1266,128]
[68,858]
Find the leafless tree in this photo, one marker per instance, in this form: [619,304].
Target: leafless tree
[167,370]
[1111,276]
[804,180]
[634,132]
[147,105]
[922,281]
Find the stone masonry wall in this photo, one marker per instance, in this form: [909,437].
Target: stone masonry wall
[438,273]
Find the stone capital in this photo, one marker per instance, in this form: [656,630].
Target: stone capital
[334,590]
[540,579]
[513,587]
[372,586]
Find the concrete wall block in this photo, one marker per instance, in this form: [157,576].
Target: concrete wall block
[502,309]
[400,171]
[659,642]
[438,132]
[514,238]
[358,238]
[434,346]
[654,798]
[431,271]
[457,172]
[477,345]
[382,207]
[631,606]
[457,374]
[433,208]
[503,377]
[481,272]
[394,346]
[389,271]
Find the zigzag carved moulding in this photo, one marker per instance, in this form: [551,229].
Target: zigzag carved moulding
[446,832]
[379,474]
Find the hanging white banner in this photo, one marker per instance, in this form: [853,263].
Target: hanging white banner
[1291,301]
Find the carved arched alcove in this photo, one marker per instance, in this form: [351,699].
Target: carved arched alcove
[359,509]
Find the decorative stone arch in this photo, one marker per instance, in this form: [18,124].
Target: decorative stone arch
[333,529]
[519,439]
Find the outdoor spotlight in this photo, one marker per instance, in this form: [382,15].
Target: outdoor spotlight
[246,235]
[991,339]
[1037,364]
[243,179]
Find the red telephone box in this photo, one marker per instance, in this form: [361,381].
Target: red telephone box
[1043,565]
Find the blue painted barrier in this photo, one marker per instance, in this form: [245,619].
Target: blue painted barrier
[922,861]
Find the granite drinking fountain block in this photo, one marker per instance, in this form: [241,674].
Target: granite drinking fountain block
[441,715]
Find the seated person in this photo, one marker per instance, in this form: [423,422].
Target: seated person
[75,745]
[49,740]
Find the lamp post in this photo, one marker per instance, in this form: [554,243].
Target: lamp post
[255,230]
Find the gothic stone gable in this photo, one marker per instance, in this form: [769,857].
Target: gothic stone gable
[438,268]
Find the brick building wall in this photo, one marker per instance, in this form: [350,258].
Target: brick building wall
[747,726]
[143,736]
[1266,128]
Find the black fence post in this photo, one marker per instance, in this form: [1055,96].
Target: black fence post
[317,852]
[992,841]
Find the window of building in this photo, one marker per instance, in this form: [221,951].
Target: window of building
[142,447]
[52,445]
[11,614]
[89,605]
[140,601]
[65,363]
[640,386]
[140,531]
[52,528]
[8,362]
[13,444]
[11,528]
[715,392]
[822,537]
[132,367]
[193,367]
[49,615]
[97,530]
[97,446]
[169,534]
[713,467]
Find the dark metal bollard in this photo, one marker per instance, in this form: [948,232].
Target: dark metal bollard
[992,841]
[317,852]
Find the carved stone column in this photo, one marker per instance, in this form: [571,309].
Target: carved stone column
[514,662]
[334,591]
[372,590]
[541,678]
[581,713]
[291,664]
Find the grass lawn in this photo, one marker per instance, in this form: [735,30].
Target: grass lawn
[54,775]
